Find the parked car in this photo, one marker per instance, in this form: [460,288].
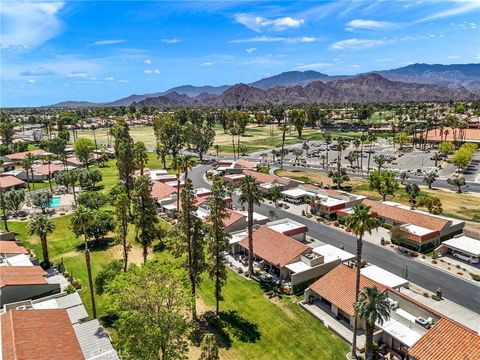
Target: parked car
[469,259]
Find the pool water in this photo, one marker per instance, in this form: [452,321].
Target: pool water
[55,201]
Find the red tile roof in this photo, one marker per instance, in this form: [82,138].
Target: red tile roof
[43,169]
[447,340]
[338,287]
[266,178]
[11,247]
[9,181]
[21,155]
[161,190]
[276,248]
[197,201]
[405,216]
[245,164]
[232,218]
[38,335]
[22,275]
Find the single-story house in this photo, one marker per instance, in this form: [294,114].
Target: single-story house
[328,201]
[384,277]
[17,158]
[289,227]
[40,172]
[298,195]
[164,194]
[171,209]
[233,178]
[463,244]
[413,330]
[6,166]
[24,282]
[9,182]
[8,247]
[267,181]
[238,166]
[425,231]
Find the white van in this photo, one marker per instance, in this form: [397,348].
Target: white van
[469,259]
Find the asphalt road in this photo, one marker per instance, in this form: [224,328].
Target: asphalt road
[455,289]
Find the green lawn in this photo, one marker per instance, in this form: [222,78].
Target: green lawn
[274,328]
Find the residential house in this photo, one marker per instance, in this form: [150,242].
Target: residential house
[289,228]
[38,173]
[413,330]
[9,182]
[17,158]
[164,194]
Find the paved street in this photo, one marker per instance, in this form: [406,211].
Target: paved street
[462,292]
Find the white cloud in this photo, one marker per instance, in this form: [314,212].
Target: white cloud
[151,71]
[314,66]
[368,25]
[208,63]
[267,39]
[31,81]
[354,66]
[453,57]
[123,81]
[461,7]
[259,23]
[171,41]
[108,42]
[76,74]
[148,62]
[36,72]
[358,44]
[110,78]
[251,50]
[26,25]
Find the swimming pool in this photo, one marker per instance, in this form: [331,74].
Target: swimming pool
[55,201]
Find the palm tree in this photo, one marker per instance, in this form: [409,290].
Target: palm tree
[27,166]
[371,138]
[430,178]
[328,140]
[41,226]
[250,194]
[373,307]
[360,221]
[72,177]
[81,219]
[49,159]
[182,163]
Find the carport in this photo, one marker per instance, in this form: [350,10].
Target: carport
[463,244]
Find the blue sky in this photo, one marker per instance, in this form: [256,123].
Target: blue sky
[101,51]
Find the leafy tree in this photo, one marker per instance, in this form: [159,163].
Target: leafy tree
[446,147]
[124,153]
[217,238]
[82,218]
[351,158]
[372,306]
[380,160]
[140,156]
[360,221]
[145,216]
[122,211]
[83,150]
[89,178]
[252,195]
[57,146]
[430,178]
[432,203]
[403,176]
[298,119]
[103,223]
[41,226]
[106,275]
[200,139]
[275,194]
[402,139]
[93,200]
[384,182]
[42,200]
[413,191]
[14,201]
[209,347]
[169,135]
[151,304]
[6,129]
[457,181]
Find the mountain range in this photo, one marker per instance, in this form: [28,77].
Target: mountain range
[416,82]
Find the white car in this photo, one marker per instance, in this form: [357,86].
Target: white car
[469,259]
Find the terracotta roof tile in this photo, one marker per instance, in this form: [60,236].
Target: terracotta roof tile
[447,340]
[232,218]
[22,275]
[338,287]
[39,335]
[405,216]
[266,178]
[245,164]
[161,190]
[21,155]
[10,181]
[276,248]
[11,247]
[43,169]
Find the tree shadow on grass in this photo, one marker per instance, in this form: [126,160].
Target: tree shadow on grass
[227,326]
[270,289]
[100,245]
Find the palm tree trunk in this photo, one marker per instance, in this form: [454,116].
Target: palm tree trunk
[33,181]
[2,203]
[89,272]
[145,253]
[283,145]
[46,259]
[250,237]
[369,341]
[357,291]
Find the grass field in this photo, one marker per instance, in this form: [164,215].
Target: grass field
[460,206]
[256,138]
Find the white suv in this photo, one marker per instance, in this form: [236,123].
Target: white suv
[469,259]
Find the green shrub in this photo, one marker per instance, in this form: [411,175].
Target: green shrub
[70,289]
[475,277]
[434,262]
